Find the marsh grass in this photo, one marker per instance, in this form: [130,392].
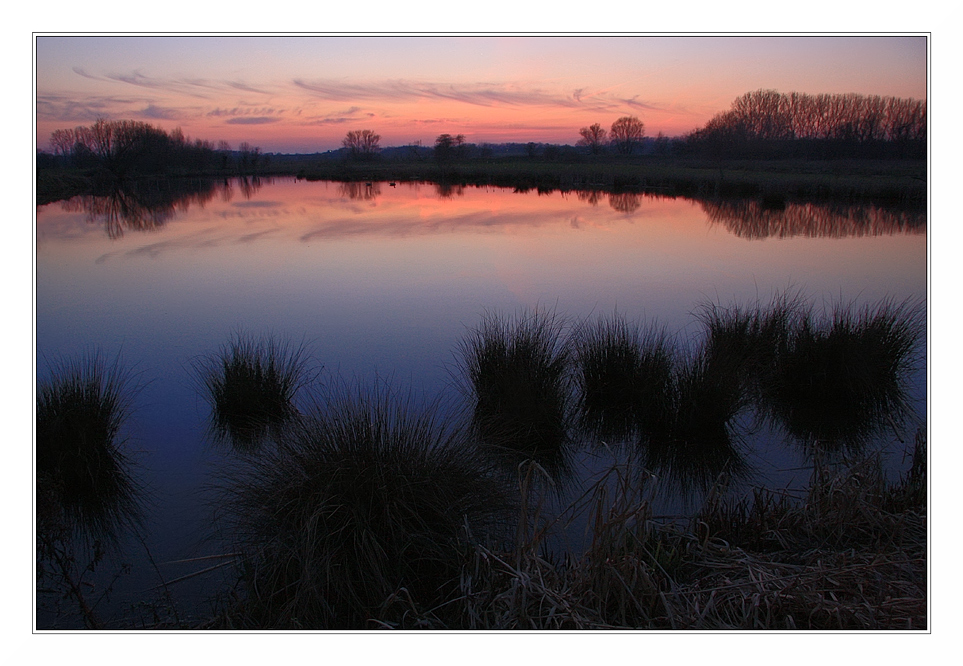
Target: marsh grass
[251,385]
[363,518]
[694,441]
[749,341]
[841,379]
[85,484]
[623,376]
[515,373]
[837,556]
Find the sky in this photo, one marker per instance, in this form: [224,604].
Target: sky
[303,94]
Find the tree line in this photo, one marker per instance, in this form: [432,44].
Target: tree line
[767,123]
[129,147]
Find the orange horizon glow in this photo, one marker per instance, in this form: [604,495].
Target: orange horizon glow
[303,94]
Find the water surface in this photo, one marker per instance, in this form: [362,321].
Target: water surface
[383,280]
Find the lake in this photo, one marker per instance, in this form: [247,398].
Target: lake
[383,280]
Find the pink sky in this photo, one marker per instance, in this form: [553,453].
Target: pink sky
[303,94]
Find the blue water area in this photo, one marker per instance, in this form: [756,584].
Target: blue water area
[381,284]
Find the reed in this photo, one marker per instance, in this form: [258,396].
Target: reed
[85,484]
[363,518]
[251,385]
[515,372]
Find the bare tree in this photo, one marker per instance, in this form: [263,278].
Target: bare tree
[448,147]
[627,133]
[593,137]
[63,141]
[362,144]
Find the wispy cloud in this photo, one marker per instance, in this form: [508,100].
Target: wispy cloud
[479,94]
[245,111]
[252,120]
[348,115]
[160,113]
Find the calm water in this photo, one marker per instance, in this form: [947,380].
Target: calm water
[383,281]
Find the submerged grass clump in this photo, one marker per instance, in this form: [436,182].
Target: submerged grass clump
[624,376]
[518,383]
[84,481]
[841,379]
[251,385]
[362,518]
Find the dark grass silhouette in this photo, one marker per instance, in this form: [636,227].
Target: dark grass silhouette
[749,341]
[692,441]
[623,376]
[515,372]
[841,379]
[363,517]
[84,481]
[251,385]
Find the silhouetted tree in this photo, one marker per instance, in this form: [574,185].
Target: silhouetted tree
[767,123]
[593,137]
[123,147]
[627,133]
[448,147]
[362,144]
[63,141]
[248,157]
[661,144]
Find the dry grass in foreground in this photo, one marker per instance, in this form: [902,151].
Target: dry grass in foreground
[849,555]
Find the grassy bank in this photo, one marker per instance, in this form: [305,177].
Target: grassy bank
[889,182]
[879,181]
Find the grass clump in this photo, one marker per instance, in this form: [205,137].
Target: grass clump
[362,519]
[84,480]
[749,341]
[519,387]
[842,379]
[251,385]
[693,441]
[624,375]
[86,494]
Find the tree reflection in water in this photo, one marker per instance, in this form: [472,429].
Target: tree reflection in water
[749,218]
[147,205]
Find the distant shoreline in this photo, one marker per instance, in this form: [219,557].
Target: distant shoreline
[886,182]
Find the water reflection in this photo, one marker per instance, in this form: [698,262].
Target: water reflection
[148,206]
[755,219]
[361,191]
[626,202]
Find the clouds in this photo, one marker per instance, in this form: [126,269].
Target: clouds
[509,94]
[252,120]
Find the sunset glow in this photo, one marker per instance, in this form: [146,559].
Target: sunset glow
[303,94]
